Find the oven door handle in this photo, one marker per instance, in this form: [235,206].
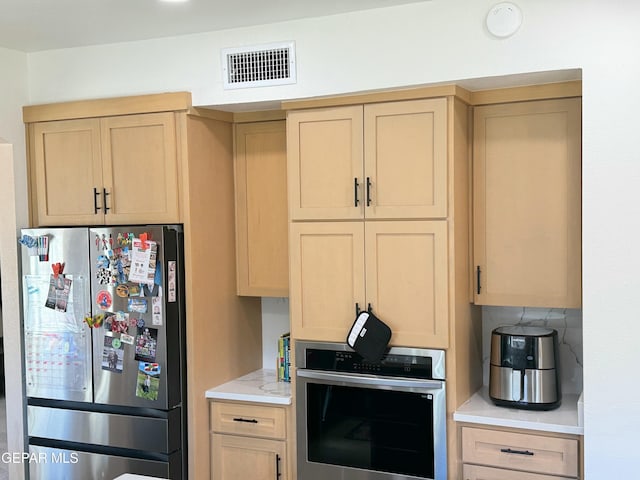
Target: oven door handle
[371,381]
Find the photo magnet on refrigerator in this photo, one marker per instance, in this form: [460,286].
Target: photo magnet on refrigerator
[138,305]
[156,308]
[112,354]
[122,290]
[146,343]
[171,281]
[104,300]
[118,323]
[148,381]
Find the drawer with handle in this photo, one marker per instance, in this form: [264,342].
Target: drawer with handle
[518,451]
[252,420]
[477,472]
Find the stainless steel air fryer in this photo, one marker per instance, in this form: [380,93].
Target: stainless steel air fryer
[524,368]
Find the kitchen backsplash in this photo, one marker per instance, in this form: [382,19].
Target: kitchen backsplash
[568,323]
[275,322]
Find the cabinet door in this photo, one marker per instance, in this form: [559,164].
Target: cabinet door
[527,169]
[476,472]
[405,151]
[66,170]
[407,280]
[262,252]
[140,168]
[325,166]
[234,458]
[327,278]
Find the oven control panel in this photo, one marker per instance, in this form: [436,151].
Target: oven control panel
[393,365]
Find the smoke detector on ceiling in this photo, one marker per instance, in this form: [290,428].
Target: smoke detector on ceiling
[504,19]
[259,65]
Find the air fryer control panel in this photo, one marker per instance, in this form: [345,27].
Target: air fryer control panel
[518,353]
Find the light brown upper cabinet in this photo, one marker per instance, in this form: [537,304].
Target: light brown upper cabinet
[378,161]
[67,172]
[398,269]
[326,279]
[261,209]
[527,211]
[106,170]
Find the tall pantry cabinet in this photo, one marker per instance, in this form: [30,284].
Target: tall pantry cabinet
[158,160]
[379,205]
[261,207]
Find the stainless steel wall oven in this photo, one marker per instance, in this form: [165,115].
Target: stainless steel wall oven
[359,420]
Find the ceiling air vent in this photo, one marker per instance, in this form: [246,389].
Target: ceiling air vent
[259,66]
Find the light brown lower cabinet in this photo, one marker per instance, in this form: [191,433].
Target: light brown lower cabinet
[235,458]
[248,441]
[476,472]
[490,454]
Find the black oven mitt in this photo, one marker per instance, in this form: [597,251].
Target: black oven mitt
[369,336]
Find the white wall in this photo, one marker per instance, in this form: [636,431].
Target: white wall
[13,95]
[13,215]
[14,379]
[444,40]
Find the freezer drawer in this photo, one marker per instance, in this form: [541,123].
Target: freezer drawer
[58,463]
[148,434]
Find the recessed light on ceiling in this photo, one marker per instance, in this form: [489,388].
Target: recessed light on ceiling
[174,1]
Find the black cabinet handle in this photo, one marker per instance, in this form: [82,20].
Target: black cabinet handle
[245,420]
[96,193]
[355,192]
[368,191]
[478,279]
[278,474]
[516,452]
[358,308]
[104,198]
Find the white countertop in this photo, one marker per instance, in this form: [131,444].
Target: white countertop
[480,409]
[259,386]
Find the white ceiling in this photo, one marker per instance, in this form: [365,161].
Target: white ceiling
[34,25]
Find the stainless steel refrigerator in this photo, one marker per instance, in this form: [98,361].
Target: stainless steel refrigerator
[104,342]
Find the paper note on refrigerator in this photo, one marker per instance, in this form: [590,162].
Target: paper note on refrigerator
[58,295]
[143,261]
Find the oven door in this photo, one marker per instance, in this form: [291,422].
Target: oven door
[365,427]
